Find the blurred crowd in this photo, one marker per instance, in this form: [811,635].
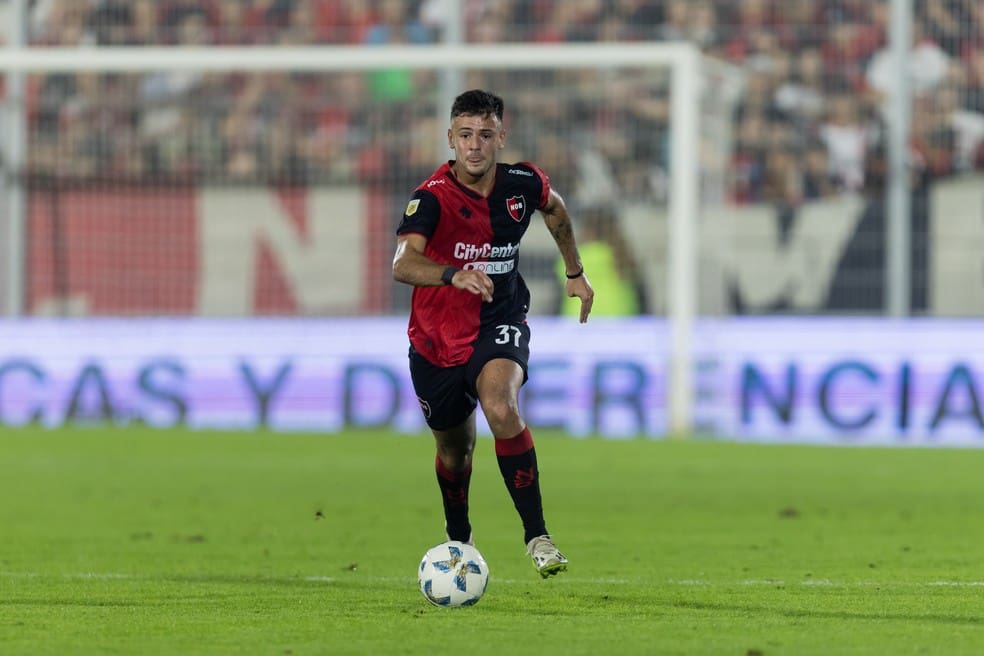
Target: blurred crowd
[808,120]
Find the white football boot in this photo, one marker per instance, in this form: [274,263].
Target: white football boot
[547,559]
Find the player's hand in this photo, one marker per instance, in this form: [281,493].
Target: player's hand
[581,288]
[476,282]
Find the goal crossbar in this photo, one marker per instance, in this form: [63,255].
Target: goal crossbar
[342,58]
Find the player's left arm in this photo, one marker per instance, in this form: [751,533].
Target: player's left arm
[559,224]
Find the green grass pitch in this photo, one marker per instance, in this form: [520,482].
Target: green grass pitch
[136,541]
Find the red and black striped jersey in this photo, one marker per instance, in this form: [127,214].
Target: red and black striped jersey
[465,230]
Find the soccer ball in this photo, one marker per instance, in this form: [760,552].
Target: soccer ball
[453,574]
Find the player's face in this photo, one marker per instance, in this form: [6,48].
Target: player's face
[476,139]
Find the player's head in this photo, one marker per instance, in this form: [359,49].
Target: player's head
[476,133]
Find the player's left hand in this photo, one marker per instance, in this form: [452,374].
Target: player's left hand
[581,287]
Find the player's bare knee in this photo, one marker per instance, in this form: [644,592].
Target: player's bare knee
[502,415]
[456,462]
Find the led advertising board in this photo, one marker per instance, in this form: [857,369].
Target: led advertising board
[793,380]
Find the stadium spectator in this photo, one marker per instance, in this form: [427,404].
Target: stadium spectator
[942,20]
[847,139]
[184,20]
[801,25]
[782,184]
[818,181]
[112,23]
[234,27]
[972,13]
[801,95]
[676,23]
[748,158]
[967,125]
[927,67]
[572,22]
[395,26]
[61,23]
[144,23]
[974,78]
[743,18]
[705,30]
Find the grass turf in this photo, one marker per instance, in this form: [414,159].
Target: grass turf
[126,541]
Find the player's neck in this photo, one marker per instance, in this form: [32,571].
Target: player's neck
[481,185]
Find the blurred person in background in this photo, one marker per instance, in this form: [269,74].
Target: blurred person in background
[950,110]
[458,246]
[394,25]
[675,25]
[847,139]
[782,186]
[800,96]
[188,22]
[748,158]
[818,181]
[927,68]
[974,77]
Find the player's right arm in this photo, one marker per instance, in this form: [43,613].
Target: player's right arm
[413,267]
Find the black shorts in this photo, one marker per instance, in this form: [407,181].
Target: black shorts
[448,395]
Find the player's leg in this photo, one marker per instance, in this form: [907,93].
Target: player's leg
[455,447]
[498,392]
[498,387]
[450,413]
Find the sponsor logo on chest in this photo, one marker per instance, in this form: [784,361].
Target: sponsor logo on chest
[486,257]
[463,251]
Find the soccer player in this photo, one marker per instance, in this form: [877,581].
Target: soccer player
[458,245]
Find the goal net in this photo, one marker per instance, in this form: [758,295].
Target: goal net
[257,181]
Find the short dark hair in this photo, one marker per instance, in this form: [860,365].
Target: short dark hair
[477,103]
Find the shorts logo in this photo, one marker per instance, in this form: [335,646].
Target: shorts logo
[425,407]
[412,207]
[516,206]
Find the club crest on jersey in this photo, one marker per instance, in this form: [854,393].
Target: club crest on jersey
[516,206]
[412,206]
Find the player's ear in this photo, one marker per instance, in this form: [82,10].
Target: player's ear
[450,141]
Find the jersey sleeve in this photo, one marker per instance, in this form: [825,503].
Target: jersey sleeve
[544,183]
[420,215]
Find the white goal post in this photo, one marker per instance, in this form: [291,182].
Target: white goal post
[682,59]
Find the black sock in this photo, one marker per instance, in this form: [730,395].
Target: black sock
[454,494]
[517,462]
